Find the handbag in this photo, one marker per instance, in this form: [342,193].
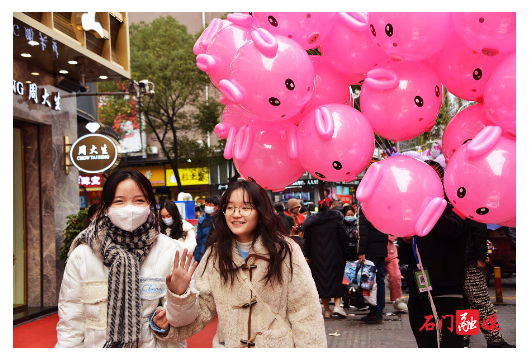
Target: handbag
[355,296]
[359,274]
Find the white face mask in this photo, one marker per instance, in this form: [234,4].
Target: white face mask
[209,210]
[129,217]
[168,221]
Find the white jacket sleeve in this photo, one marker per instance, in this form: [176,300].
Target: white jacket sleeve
[71,326]
[189,239]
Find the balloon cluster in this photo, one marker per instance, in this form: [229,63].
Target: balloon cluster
[287,112]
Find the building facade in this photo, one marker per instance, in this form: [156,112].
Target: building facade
[54,56]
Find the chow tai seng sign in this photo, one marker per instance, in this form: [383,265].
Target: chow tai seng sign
[95,153]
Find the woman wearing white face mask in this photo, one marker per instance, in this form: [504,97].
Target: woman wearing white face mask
[177,228]
[121,274]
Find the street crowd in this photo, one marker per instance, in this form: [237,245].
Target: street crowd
[139,276]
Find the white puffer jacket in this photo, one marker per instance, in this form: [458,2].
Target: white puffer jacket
[84,292]
[189,238]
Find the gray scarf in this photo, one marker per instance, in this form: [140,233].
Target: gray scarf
[122,252]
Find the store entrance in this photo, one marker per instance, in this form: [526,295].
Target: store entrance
[19,223]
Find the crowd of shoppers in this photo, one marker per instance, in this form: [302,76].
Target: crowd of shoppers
[141,277]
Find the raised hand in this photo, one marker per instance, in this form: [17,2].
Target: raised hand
[179,279]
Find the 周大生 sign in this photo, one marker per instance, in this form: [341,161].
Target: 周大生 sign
[95,153]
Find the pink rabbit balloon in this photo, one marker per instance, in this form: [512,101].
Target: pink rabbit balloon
[410,36]
[480,179]
[222,46]
[500,95]
[489,33]
[401,100]
[465,72]
[463,127]
[335,143]
[511,223]
[349,47]
[308,29]
[402,196]
[214,26]
[260,154]
[329,87]
[271,77]
[233,118]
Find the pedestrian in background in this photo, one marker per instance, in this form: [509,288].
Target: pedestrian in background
[394,276]
[287,221]
[324,235]
[293,211]
[177,228]
[351,243]
[122,250]
[373,246]
[254,278]
[92,212]
[311,209]
[204,225]
[475,287]
[350,247]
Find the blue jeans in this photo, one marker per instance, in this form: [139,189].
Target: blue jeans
[380,265]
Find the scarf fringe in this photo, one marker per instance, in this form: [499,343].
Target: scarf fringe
[112,344]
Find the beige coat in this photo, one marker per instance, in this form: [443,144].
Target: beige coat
[296,301]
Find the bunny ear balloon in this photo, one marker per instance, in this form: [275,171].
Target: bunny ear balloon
[287,113]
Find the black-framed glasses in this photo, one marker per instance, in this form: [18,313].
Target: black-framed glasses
[244,210]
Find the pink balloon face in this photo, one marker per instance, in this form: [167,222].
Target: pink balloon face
[463,127]
[500,95]
[489,33]
[402,196]
[401,100]
[410,36]
[349,47]
[221,49]
[465,72]
[336,142]
[271,87]
[306,28]
[480,179]
[329,87]
[260,155]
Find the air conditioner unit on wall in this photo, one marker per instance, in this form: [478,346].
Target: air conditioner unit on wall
[152,150]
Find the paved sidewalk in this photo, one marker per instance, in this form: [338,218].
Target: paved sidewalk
[395,331]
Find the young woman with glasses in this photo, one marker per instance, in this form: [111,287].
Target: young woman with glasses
[254,278]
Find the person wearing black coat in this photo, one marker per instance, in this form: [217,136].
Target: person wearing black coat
[442,253]
[475,286]
[324,235]
[373,246]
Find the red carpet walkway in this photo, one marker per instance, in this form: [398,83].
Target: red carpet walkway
[41,334]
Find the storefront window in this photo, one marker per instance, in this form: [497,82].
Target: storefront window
[19,235]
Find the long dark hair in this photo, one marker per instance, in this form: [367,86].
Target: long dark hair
[176,229]
[269,228]
[109,191]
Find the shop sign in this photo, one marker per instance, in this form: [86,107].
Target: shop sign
[188,176]
[155,174]
[95,153]
[310,182]
[344,198]
[31,35]
[39,96]
[91,181]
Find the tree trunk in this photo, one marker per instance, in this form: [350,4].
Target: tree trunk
[174,166]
